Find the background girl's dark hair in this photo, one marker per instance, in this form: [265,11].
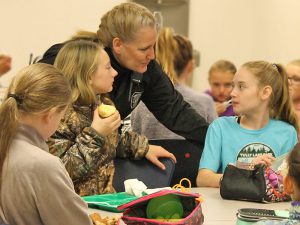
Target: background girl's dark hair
[183,53]
[294,164]
[173,52]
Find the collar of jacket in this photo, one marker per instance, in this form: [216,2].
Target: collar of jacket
[31,135]
[116,65]
[87,110]
[135,76]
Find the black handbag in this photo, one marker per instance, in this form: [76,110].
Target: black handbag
[256,184]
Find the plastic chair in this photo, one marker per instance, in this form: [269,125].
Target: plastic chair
[187,155]
[143,170]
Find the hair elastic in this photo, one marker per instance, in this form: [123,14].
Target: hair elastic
[276,67]
[18,99]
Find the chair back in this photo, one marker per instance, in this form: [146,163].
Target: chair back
[187,155]
[143,170]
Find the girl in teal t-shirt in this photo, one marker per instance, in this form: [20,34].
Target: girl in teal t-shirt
[265,128]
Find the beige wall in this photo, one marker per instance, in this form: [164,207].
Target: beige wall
[32,26]
[237,30]
[242,30]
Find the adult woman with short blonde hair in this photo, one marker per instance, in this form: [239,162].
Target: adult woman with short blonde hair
[174,53]
[128,33]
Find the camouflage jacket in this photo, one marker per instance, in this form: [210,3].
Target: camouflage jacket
[88,156]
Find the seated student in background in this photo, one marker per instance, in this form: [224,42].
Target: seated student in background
[175,54]
[87,143]
[35,186]
[291,187]
[293,73]
[220,77]
[267,127]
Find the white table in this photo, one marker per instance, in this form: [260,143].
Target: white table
[216,210]
[219,211]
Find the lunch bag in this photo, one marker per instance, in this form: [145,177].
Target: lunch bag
[136,211]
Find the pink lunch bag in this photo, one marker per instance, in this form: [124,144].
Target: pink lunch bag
[135,211]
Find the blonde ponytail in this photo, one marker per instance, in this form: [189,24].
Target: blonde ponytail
[34,90]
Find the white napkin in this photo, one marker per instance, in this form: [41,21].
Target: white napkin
[138,188]
[134,187]
[151,191]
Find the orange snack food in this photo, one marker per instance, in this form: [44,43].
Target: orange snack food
[98,220]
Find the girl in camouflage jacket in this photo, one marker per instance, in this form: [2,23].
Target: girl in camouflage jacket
[87,143]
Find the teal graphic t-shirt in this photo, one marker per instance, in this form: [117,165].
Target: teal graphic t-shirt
[227,142]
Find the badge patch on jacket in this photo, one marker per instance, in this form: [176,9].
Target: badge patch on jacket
[135,99]
[136,89]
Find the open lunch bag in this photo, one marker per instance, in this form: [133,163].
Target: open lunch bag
[186,204]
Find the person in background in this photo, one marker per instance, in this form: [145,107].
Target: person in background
[128,33]
[35,186]
[220,77]
[293,73]
[175,54]
[266,128]
[5,64]
[291,187]
[87,143]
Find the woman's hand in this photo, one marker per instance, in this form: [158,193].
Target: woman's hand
[156,152]
[105,126]
[264,159]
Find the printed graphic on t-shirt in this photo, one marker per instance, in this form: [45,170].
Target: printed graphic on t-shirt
[250,151]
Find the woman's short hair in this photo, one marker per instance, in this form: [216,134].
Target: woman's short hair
[123,21]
